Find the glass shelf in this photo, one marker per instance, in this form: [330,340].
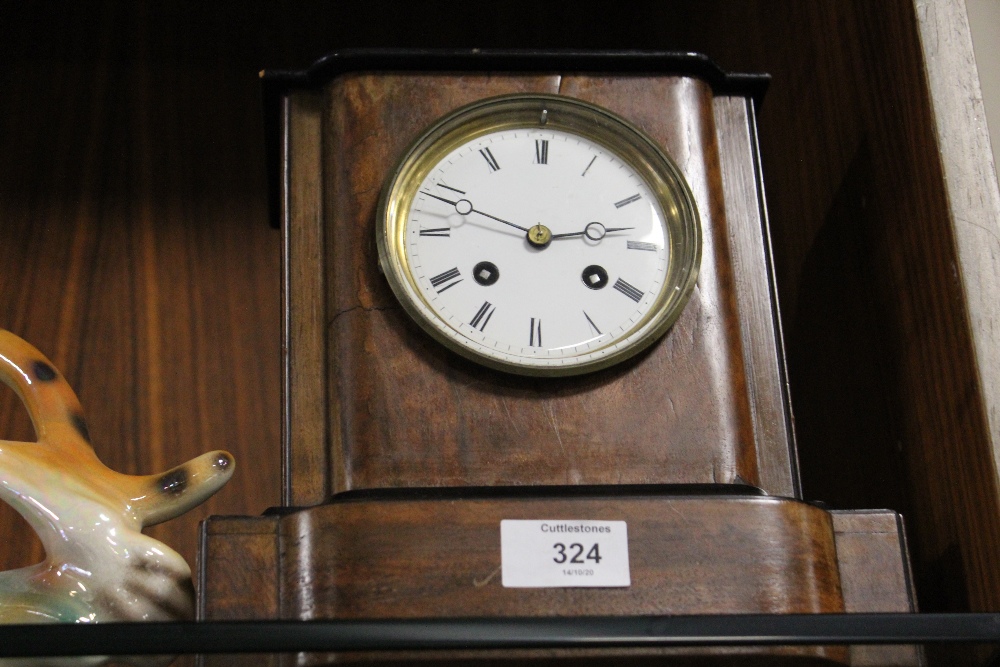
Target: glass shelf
[495,633]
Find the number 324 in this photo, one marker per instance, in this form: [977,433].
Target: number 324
[574,553]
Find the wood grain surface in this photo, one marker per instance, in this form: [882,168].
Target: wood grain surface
[371,557]
[306,444]
[688,555]
[401,558]
[136,254]
[886,383]
[756,296]
[969,483]
[875,577]
[410,413]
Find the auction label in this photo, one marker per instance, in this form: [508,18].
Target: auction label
[564,554]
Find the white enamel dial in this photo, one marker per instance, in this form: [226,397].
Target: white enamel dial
[536,248]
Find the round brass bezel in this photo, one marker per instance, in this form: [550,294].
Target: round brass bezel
[615,134]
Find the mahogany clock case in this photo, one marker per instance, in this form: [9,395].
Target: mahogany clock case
[401,411]
[401,458]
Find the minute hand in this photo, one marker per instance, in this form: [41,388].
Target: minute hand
[469,208]
[595,231]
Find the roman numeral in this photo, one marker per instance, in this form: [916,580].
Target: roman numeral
[631,291]
[483,316]
[541,151]
[535,338]
[490,160]
[627,201]
[592,323]
[588,166]
[446,277]
[642,245]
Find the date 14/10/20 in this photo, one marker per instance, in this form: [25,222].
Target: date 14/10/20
[574,553]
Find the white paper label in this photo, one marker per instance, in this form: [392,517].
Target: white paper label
[561,553]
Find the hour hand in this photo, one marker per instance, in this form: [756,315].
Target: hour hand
[465,207]
[446,201]
[595,231]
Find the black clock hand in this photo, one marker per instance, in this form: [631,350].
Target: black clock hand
[493,217]
[594,231]
[446,201]
[606,231]
[470,209]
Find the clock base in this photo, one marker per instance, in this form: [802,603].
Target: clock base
[433,554]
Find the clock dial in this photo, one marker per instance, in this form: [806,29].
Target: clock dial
[512,296]
[536,243]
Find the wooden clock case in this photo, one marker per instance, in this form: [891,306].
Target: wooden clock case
[401,458]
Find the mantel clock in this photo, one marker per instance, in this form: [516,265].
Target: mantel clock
[532,292]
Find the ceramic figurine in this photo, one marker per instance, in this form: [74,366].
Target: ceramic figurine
[98,565]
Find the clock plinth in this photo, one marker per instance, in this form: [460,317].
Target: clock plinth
[420,554]
[402,457]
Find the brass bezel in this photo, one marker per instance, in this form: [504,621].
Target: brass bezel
[599,125]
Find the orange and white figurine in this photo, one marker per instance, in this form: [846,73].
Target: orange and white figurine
[98,565]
